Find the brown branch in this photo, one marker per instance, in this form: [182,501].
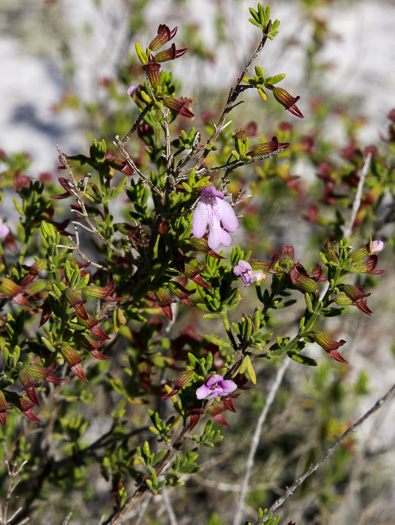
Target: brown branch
[139,493]
[119,144]
[12,473]
[137,123]
[327,454]
[239,163]
[79,195]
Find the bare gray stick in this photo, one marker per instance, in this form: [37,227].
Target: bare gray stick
[239,163]
[255,440]
[327,454]
[119,144]
[358,196]
[67,518]
[169,509]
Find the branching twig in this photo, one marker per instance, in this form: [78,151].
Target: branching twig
[327,454]
[119,516]
[233,94]
[238,163]
[79,195]
[187,157]
[358,196]
[255,440]
[75,245]
[169,168]
[135,169]
[13,473]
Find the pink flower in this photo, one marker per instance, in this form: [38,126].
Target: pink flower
[4,229]
[376,247]
[213,211]
[216,386]
[245,271]
[131,89]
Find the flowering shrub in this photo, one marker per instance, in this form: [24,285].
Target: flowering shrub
[104,282]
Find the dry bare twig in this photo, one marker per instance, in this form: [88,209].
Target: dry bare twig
[79,195]
[327,454]
[233,94]
[255,440]
[358,196]
[12,473]
[169,509]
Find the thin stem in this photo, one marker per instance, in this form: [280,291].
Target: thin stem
[24,246]
[327,454]
[228,329]
[135,169]
[93,228]
[233,94]
[358,196]
[169,509]
[13,473]
[239,163]
[3,259]
[140,492]
[137,123]
[255,440]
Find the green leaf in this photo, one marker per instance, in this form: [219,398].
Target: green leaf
[275,79]
[251,372]
[18,208]
[302,359]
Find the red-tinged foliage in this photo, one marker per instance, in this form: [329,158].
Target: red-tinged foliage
[215,411]
[228,404]
[195,416]
[4,406]
[201,245]
[179,383]
[77,369]
[297,276]
[330,345]
[25,406]
[268,147]
[172,53]
[164,35]
[77,304]
[165,302]
[30,385]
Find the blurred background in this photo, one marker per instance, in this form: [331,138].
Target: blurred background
[64,70]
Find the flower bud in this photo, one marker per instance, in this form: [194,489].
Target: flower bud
[152,71]
[330,345]
[163,36]
[268,147]
[301,282]
[170,54]
[285,99]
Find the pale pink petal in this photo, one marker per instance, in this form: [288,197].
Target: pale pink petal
[200,220]
[4,229]
[377,246]
[217,237]
[242,266]
[203,392]
[214,379]
[228,217]
[227,386]
[211,191]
